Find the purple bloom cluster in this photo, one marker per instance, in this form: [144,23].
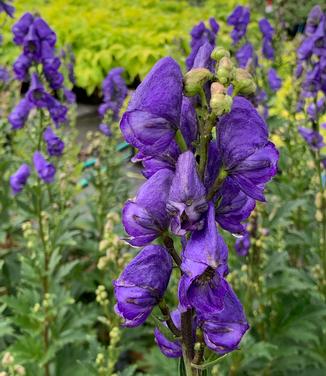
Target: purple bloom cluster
[201,35]
[115,92]
[268,31]
[239,19]
[180,198]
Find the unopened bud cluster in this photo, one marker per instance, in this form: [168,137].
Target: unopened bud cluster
[10,368]
[320,202]
[102,296]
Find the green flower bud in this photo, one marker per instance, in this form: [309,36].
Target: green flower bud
[195,79]
[243,82]
[220,103]
[218,53]
[225,69]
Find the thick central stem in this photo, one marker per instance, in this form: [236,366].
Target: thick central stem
[187,342]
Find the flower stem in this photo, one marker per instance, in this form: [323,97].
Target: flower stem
[168,242]
[187,342]
[167,318]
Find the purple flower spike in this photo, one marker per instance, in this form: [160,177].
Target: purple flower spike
[153,114]
[248,158]
[18,116]
[7,8]
[187,202]
[37,94]
[20,28]
[54,143]
[142,284]
[274,80]
[19,179]
[224,329]
[266,28]
[313,20]
[58,112]
[239,18]
[169,348]
[268,50]
[234,207]
[204,263]
[145,217]
[242,244]
[45,170]
[313,138]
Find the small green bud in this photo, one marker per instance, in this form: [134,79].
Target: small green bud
[319,200]
[220,103]
[243,82]
[194,80]
[219,52]
[225,70]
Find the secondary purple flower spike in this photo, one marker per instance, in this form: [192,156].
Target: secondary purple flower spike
[105,129]
[19,179]
[153,114]
[18,116]
[266,28]
[313,138]
[142,284]
[239,18]
[248,158]
[313,20]
[54,144]
[20,28]
[145,217]
[244,54]
[224,329]
[274,80]
[169,348]
[242,245]
[204,263]
[7,8]
[268,50]
[45,170]
[187,202]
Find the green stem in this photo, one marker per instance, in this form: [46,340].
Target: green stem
[180,141]
[168,242]
[187,341]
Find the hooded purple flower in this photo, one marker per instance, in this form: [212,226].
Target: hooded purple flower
[58,111]
[18,116]
[266,29]
[37,94]
[274,80]
[247,157]
[224,329]
[233,207]
[313,20]
[44,32]
[32,44]
[245,54]
[169,348]
[242,244]
[54,144]
[239,18]
[268,50]
[105,129]
[312,138]
[115,92]
[45,170]
[70,96]
[20,28]
[51,65]
[187,202]
[19,179]
[145,217]
[7,8]
[204,263]
[314,110]
[21,66]
[153,113]
[200,36]
[142,284]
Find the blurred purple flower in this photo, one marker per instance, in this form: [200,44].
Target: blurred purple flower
[274,80]
[18,116]
[45,170]
[239,18]
[7,8]
[245,54]
[242,244]
[104,128]
[312,138]
[19,179]
[54,143]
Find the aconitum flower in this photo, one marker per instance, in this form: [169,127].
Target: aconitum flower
[245,54]
[58,111]
[153,114]
[105,129]
[142,284]
[45,170]
[20,28]
[313,138]
[266,28]
[248,158]
[201,35]
[239,18]
[313,20]
[21,67]
[18,116]
[242,244]
[145,218]
[70,96]
[54,144]
[19,179]
[274,80]
[187,203]
[268,50]
[171,349]
[7,8]
[314,110]
[37,94]
[224,329]
[115,92]
[204,263]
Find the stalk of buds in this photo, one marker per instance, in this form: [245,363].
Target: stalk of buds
[194,182]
